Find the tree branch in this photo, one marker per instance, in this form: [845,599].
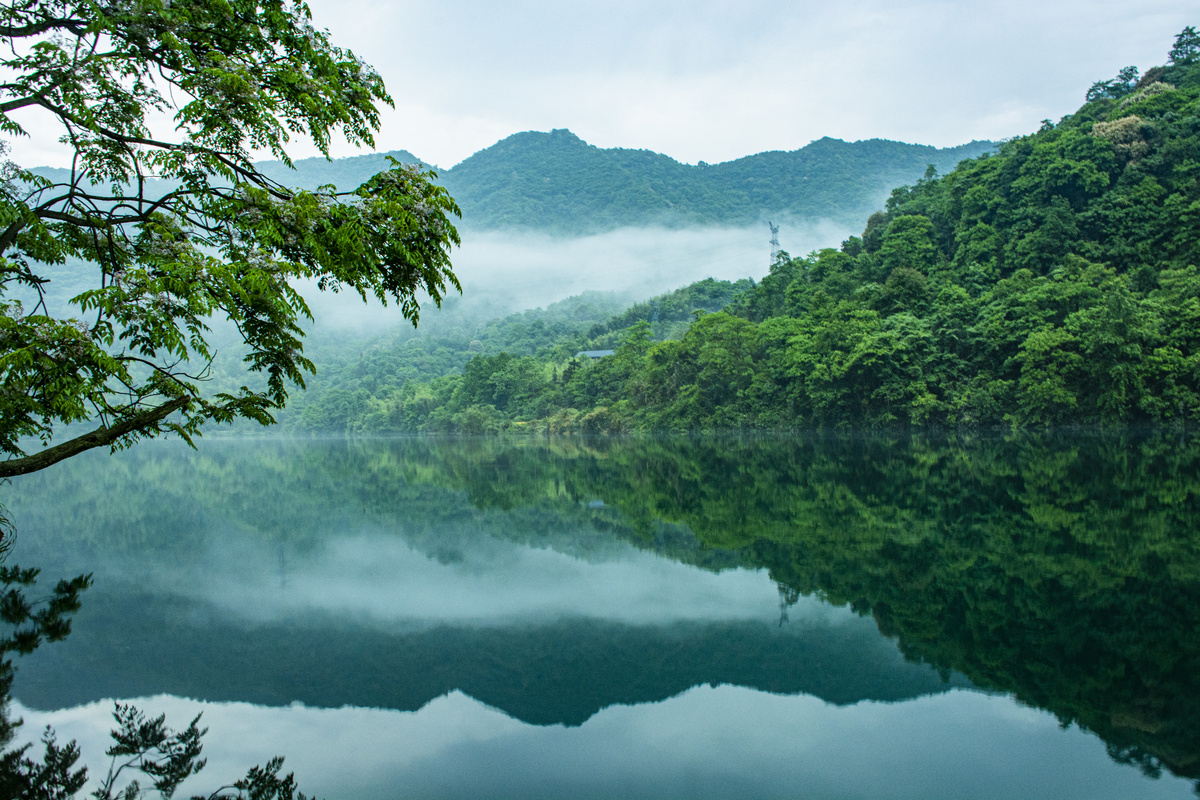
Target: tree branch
[37,28]
[98,438]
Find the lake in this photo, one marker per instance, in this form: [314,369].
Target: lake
[778,616]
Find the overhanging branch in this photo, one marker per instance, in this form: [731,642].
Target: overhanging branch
[98,438]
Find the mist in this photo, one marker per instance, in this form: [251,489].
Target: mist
[504,272]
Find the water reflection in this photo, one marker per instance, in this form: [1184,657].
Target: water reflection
[709,742]
[543,673]
[553,580]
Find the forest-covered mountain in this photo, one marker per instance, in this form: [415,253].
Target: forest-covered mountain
[556,181]
[1056,281]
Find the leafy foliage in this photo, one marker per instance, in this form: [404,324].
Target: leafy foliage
[1187,48]
[185,230]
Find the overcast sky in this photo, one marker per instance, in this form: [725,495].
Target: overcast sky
[714,80]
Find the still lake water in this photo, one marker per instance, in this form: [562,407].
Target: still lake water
[898,617]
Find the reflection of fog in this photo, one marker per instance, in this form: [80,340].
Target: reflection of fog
[487,581]
[955,745]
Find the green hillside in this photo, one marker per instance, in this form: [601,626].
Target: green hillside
[358,385]
[556,181]
[1054,282]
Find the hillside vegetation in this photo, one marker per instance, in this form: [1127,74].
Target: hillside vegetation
[358,386]
[1054,282]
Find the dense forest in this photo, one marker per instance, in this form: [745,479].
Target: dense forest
[1053,282]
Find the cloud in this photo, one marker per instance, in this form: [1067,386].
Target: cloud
[504,271]
[714,80]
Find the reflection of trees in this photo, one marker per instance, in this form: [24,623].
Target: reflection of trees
[1063,570]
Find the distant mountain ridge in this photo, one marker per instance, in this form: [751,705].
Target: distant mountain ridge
[558,183]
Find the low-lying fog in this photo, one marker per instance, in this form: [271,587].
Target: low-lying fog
[504,272]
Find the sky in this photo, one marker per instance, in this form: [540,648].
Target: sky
[714,80]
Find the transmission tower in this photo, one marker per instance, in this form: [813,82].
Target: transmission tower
[774,241]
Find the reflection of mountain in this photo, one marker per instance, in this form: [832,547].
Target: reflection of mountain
[1065,570]
[558,673]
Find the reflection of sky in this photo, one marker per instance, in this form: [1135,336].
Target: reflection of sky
[379,576]
[708,742]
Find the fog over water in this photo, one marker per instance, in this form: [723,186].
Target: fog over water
[504,272]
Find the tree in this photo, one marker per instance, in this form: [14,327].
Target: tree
[1118,87]
[1187,48]
[181,230]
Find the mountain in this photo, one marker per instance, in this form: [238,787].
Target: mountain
[556,181]
[559,183]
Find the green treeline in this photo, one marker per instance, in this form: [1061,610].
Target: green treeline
[1055,282]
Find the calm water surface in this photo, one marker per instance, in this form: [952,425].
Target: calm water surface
[767,617]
